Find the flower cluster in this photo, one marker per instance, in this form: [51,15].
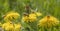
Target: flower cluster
[9,26]
[31,17]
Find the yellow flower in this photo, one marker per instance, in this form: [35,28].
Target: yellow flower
[48,22]
[8,26]
[25,18]
[11,15]
[38,13]
[32,17]
[0,24]
[17,27]
[29,18]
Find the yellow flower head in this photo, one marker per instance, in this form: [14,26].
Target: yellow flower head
[29,18]
[0,24]
[11,15]
[17,27]
[32,17]
[8,26]
[25,18]
[48,21]
[38,14]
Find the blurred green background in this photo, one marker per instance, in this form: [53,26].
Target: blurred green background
[45,6]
